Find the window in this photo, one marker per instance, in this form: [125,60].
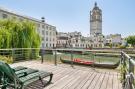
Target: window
[42,45]
[50,45]
[46,38]
[43,26]
[46,27]
[50,33]
[53,39]
[50,39]
[46,44]
[50,28]
[46,32]
[5,16]
[43,32]
[54,33]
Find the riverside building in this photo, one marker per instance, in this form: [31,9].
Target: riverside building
[47,32]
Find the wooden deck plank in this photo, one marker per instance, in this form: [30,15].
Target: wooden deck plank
[105,81]
[110,81]
[61,78]
[60,84]
[94,82]
[77,77]
[75,80]
[83,80]
[60,75]
[115,81]
[99,82]
[89,81]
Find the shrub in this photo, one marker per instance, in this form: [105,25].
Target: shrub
[6,59]
[122,47]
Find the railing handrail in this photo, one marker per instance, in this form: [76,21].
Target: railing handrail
[130,67]
[126,55]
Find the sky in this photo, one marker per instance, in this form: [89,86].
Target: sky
[73,15]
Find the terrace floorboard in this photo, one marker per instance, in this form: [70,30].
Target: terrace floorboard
[77,77]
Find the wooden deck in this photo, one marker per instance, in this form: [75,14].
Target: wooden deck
[66,77]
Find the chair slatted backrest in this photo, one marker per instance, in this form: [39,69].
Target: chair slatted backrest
[8,72]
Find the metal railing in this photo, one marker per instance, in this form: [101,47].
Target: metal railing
[54,55]
[127,71]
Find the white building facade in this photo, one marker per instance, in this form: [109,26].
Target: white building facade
[62,40]
[113,39]
[47,32]
[72,40]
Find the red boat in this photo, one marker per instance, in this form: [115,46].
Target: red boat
[78,60]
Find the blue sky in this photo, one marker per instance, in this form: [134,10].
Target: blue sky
[73,15]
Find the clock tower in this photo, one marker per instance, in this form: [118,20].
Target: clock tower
[95,20]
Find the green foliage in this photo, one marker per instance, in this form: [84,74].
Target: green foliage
[122,47]
[6,59]
[131,40]
[110,45]
[5,38]
[16,34]
[19,34]
[122,72]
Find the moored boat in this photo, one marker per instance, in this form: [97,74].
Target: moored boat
[91,63]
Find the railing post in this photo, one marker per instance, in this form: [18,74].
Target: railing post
[123,64]
[55,58]
[42,55]
[131,70]
[94,54]
[13,54]
[71,58]
[131,66]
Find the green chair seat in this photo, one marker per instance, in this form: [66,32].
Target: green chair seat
[25,72]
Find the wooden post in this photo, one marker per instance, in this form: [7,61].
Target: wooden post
[55,58]
[71,58]
[42,56]
[94,59]
[13,53]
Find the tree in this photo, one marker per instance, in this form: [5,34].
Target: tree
[16,34]
[110,45]
[5,39]
[131,40]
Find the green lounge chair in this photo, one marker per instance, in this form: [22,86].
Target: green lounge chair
[9,78]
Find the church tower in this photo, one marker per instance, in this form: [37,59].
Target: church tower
[95,21]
